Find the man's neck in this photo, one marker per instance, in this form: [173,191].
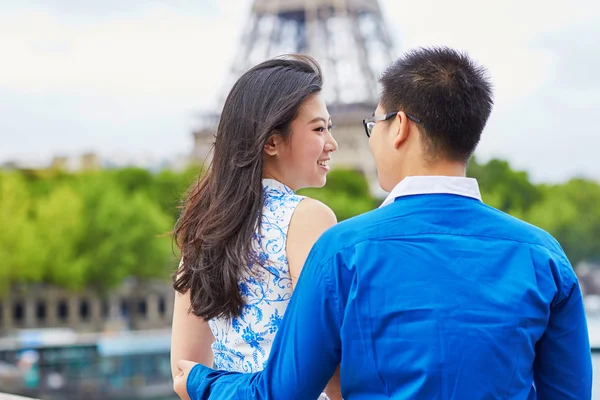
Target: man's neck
[438,169]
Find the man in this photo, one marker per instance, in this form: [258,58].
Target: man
[434,295]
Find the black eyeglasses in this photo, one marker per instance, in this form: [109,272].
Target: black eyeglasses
[369,123]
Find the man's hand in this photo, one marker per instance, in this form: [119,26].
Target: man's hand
[180,382]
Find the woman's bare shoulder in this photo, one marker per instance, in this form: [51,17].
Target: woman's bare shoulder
[310,211]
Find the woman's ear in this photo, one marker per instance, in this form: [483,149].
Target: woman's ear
[273,144]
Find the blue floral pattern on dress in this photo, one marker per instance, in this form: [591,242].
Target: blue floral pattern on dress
[243,343]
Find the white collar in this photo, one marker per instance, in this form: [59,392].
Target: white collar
[412,185]
[273,184]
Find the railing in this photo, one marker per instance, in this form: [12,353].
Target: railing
[5,396]
[140,307]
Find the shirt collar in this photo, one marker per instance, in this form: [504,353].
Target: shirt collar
[412,185]
[275,185]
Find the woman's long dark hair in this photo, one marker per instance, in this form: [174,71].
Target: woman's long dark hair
[221,211]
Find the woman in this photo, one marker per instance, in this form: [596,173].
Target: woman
[244,232]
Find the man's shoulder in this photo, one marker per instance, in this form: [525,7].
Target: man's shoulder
[350,232]
[513,228]
[381,222]
[546,252]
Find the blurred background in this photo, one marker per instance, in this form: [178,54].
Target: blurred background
[108,109]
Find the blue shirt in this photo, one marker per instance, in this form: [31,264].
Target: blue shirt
[433,296]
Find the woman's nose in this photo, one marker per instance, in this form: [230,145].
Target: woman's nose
[331,144]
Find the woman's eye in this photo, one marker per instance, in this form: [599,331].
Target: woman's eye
[322,128]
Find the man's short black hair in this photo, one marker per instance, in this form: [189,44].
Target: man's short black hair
[449,93]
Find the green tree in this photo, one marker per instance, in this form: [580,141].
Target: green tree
[121,234]
[19,256]
[169,188]
[95,229]
[41,183]
[571,213]
[504,188]
[59,226]
[346,192]
[131,179]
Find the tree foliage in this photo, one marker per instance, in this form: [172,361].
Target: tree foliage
[94,229]
[346,192]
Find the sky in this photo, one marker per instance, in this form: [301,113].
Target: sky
[131,77]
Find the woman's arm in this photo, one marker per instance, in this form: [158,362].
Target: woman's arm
[191,337]
[311,218]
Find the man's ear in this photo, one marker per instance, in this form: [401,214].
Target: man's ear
[403,129]
[273,144]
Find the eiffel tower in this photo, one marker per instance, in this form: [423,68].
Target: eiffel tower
[351,43]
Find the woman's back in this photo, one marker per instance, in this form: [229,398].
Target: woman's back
[243,343]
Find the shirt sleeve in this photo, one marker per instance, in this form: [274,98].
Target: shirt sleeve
[563,363]
[305,352]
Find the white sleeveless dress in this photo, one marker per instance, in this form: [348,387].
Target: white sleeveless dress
[243,344]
